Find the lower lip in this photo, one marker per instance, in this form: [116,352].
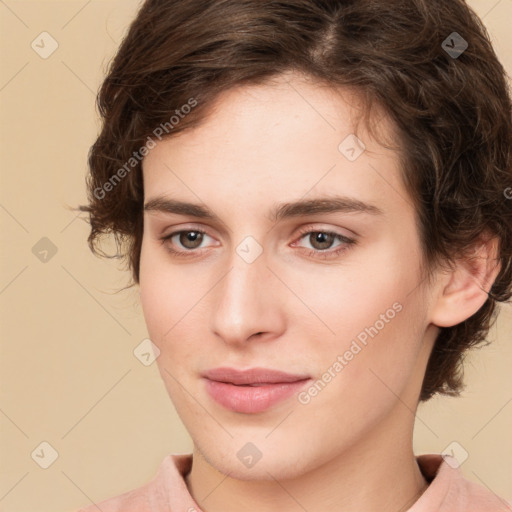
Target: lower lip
[252,399]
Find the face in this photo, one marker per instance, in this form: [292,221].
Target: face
[329,294]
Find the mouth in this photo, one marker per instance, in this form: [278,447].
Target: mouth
[252,391]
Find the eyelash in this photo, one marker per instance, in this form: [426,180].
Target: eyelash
[192,253]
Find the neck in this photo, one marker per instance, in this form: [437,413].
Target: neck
[378,473]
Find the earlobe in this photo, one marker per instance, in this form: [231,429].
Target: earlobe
[464,289]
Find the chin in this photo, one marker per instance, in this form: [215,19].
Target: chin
[273,464]
[270,470]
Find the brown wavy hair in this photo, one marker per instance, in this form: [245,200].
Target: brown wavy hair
[453,115]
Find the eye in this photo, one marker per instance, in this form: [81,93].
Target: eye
[189,239]
[321,240]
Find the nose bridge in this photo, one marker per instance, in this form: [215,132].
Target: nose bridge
[244,301]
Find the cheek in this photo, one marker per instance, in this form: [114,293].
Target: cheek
[377,358]
[376,317]
[155,305]
[363,301]
[170,301]
[157,296]
[162,304]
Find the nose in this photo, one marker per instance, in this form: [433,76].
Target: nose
[246,303]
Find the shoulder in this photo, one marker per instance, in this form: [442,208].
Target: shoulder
[135,500]
[476,497]
[450,491]
[154,495]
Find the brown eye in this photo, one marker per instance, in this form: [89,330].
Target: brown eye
[187,242]
[321,240]
[321,243]
[190,239]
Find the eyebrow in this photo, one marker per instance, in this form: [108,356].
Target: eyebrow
[280,211]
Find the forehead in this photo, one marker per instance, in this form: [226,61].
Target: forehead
[288,107]
[283,140]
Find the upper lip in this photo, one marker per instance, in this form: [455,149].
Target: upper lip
[252,376]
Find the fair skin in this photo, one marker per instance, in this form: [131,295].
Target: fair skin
[350,447]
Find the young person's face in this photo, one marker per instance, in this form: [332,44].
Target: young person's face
[253,292]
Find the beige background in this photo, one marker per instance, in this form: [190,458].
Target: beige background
[68,373]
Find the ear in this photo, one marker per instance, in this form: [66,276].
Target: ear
[464,289]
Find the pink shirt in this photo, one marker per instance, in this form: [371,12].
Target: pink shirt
[448,491]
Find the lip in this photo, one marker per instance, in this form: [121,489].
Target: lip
[253,390]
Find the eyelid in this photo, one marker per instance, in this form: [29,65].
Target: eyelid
[301,231]
[190,227]
[309,228]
